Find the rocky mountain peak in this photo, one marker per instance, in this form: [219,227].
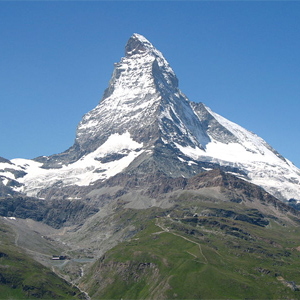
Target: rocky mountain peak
[137,44]
[144,122]
[142,85]
[140,50]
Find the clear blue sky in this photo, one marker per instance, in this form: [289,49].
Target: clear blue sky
[241,58]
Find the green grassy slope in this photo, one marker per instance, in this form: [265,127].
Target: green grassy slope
[23,278]
[207,257]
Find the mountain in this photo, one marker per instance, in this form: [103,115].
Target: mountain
[144,122]
[158,197]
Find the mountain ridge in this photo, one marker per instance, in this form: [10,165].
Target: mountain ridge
[143,116]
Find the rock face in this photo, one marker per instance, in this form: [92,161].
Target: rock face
[56,213]
[145,124]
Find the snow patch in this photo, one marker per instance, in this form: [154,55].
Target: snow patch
[5,181]
[181,159]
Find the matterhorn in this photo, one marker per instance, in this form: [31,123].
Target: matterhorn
[156,195]
[144,124]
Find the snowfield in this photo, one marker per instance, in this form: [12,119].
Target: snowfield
[83,172]
[263,166]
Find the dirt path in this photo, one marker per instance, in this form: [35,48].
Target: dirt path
[165,229]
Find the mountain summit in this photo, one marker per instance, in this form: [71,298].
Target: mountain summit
[145,124]
[142,88]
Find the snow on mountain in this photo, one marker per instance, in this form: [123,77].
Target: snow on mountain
[10,172]
[132,100]
[108,160]
[143,111]
[251,154]
[6,170]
